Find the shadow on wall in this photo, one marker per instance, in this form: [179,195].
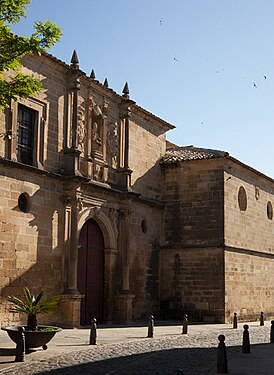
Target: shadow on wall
[35,260]
[145,236]
[149,184]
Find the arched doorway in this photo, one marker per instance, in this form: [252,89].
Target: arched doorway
[90,277]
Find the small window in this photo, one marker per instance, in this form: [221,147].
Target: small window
[144,226]
[25,135]
[242,199]
[269,210]
[24,202]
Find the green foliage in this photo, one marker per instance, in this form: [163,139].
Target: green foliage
[13,47]
[33,305]
[12,10]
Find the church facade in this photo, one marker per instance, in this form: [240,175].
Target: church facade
[99,208]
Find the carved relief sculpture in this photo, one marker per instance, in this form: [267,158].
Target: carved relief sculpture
[81,131]
[96,129]
[112,142]
[97,172]
[96,141]
[113,214]
[95,137]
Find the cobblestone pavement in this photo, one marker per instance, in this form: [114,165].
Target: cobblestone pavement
[192,354]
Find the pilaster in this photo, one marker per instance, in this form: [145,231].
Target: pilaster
[72,204]
[123,171]
[72,153]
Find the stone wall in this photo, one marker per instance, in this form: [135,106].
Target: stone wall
[147,145]
[191,259]
[145,260]
[30,242]
[54,80]
[249,256]
[193,194]
[249,284]
[225,203]
[192,282]
[250,227]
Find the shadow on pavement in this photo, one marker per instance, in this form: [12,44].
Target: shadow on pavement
[5,352]
[190,361]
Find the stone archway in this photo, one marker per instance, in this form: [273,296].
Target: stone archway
[102,223]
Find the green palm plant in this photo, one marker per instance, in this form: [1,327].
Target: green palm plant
[33,306]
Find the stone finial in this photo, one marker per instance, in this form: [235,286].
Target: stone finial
[92,74]
[126,91]
[74,61]
[106,82]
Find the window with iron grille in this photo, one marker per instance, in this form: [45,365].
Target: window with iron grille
[25,135]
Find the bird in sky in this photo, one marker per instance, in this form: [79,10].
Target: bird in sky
[174,58]
[220,71]
[264,77]
[254,84]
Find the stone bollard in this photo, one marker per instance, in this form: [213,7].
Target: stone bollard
[272,332]
[246,341]
[93,333]
[150,330]
[262,319]
[221,356]
[235,321]
[20,345]
[185,324]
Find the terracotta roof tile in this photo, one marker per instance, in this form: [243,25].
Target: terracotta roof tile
[186,153]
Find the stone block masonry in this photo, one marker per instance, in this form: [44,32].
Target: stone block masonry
[192,282]
[30,242]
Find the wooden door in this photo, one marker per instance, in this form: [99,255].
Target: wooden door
[91,272]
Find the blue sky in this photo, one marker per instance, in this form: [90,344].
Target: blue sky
[206,66]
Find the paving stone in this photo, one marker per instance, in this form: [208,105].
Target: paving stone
[192,354]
